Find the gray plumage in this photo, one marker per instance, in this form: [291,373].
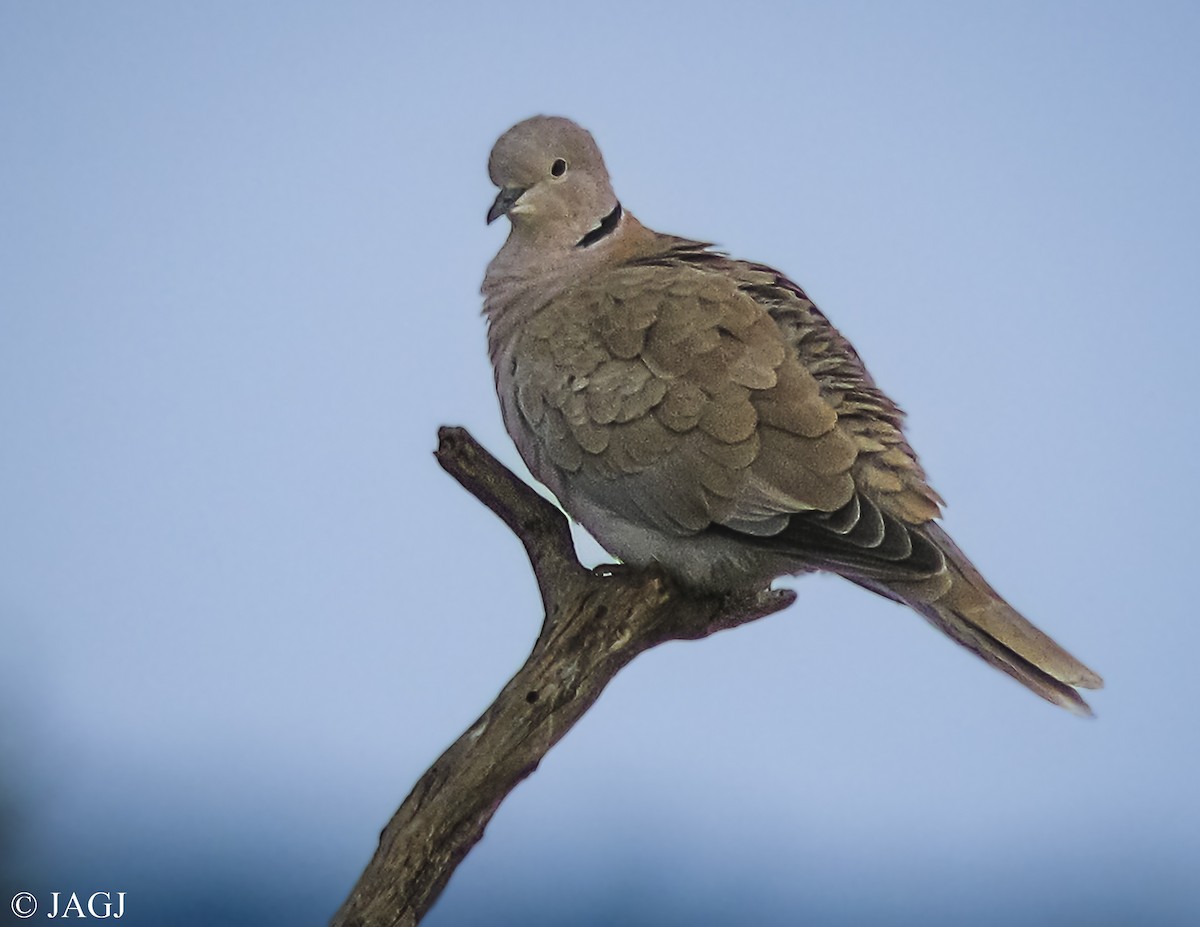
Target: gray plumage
[700,412]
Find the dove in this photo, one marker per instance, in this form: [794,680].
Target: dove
[701,414]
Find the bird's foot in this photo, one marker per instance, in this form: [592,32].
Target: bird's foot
[613,570]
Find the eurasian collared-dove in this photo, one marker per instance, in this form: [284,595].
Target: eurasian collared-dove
[700,412]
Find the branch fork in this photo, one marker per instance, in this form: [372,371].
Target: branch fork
[595,623]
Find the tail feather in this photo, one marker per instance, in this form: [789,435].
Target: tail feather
[1005,659]
[968,610]
[972,600]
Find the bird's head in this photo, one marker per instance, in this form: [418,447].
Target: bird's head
[553,183]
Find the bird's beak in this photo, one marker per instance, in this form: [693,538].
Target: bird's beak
[505,200]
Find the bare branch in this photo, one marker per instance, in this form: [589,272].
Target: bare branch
[595,623]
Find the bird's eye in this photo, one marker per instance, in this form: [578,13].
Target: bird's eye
[558,168]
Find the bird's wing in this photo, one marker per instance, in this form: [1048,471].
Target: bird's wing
[671,396]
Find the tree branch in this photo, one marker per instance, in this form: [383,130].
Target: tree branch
[595,623]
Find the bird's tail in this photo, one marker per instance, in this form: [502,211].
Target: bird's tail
[971,612]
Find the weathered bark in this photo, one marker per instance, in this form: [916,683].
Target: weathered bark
[595,623]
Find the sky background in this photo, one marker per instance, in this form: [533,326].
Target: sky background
[242,609]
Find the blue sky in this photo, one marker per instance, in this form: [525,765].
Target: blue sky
[243,609]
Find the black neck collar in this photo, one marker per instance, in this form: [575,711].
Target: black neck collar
[606,227]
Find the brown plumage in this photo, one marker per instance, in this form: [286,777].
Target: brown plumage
[701,412]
